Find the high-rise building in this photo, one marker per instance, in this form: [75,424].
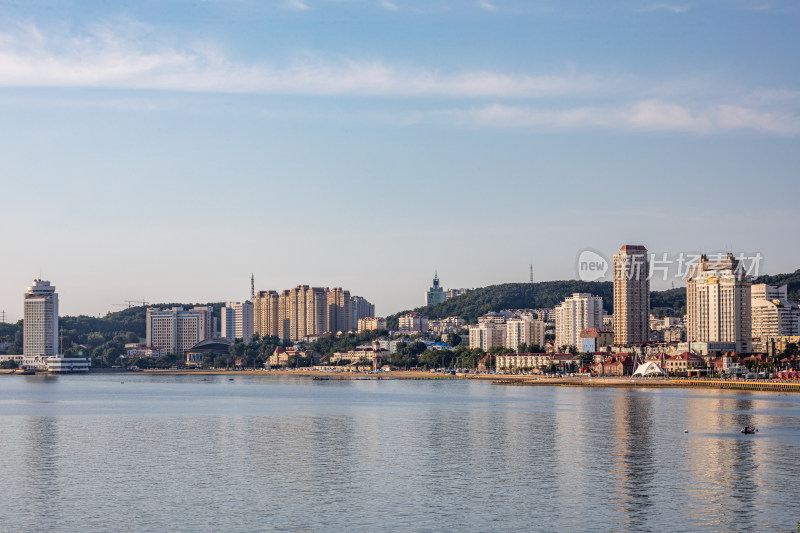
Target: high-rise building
[265,314]
[40,324]
[773,315]
[631,295]
[237,321]
[361,308]
[178,329]
[306,311]
[578,312]
[487,335]
[718,306]
[435,295]
[340,310]
[524,329]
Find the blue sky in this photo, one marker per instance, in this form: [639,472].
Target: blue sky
[167,149]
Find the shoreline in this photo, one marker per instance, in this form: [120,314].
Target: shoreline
[494,379]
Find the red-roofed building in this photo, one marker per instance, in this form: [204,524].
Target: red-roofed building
[685,362]
[620,364]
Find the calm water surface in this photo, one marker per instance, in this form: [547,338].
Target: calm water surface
[173,453]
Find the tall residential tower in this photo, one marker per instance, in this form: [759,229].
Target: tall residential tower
[631,295]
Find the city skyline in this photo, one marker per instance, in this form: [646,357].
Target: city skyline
[135,131]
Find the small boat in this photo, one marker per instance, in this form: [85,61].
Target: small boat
[747,430]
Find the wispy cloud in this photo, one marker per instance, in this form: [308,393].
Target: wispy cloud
[297,5]
[129,56]
[101,59]
[671,8]
[488,6]
[647,115]
[386,4]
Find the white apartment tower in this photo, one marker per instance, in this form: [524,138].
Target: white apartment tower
[237,321]
[718,306]
[40,324]
[486,335]
[773,315]
[578,312]
[524,329]
[631,295]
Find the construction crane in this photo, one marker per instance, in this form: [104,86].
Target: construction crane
[129,303]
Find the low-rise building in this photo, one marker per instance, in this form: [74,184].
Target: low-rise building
[444,326]
[413,323]
[686,362]
[592,339]
[371,323]
[516,362]
[145,351]
[373,356]
[281,356]
[620,364]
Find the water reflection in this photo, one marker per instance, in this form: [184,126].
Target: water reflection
[387,456]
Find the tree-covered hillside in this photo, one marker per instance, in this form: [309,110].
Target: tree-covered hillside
[534,295]
[792,280]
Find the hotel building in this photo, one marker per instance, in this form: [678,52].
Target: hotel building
[40,324]
[718,303]
[178,329]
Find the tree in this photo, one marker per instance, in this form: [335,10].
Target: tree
[494,350]
[791,350]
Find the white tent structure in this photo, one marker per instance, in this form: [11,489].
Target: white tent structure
[648,369]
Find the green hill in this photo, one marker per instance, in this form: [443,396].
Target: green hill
[792,280]
[531,296]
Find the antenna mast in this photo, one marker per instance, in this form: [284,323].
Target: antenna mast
[531,272]
[252,288]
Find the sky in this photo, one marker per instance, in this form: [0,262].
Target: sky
[164,150]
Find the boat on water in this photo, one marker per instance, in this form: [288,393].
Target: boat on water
[747,430]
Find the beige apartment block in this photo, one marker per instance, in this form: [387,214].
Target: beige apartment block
[718,303]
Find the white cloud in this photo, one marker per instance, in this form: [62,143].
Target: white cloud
[646,115]
[666,7]
[297,5]
[488,6]
[129,56]
[101,59]
[386,4]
